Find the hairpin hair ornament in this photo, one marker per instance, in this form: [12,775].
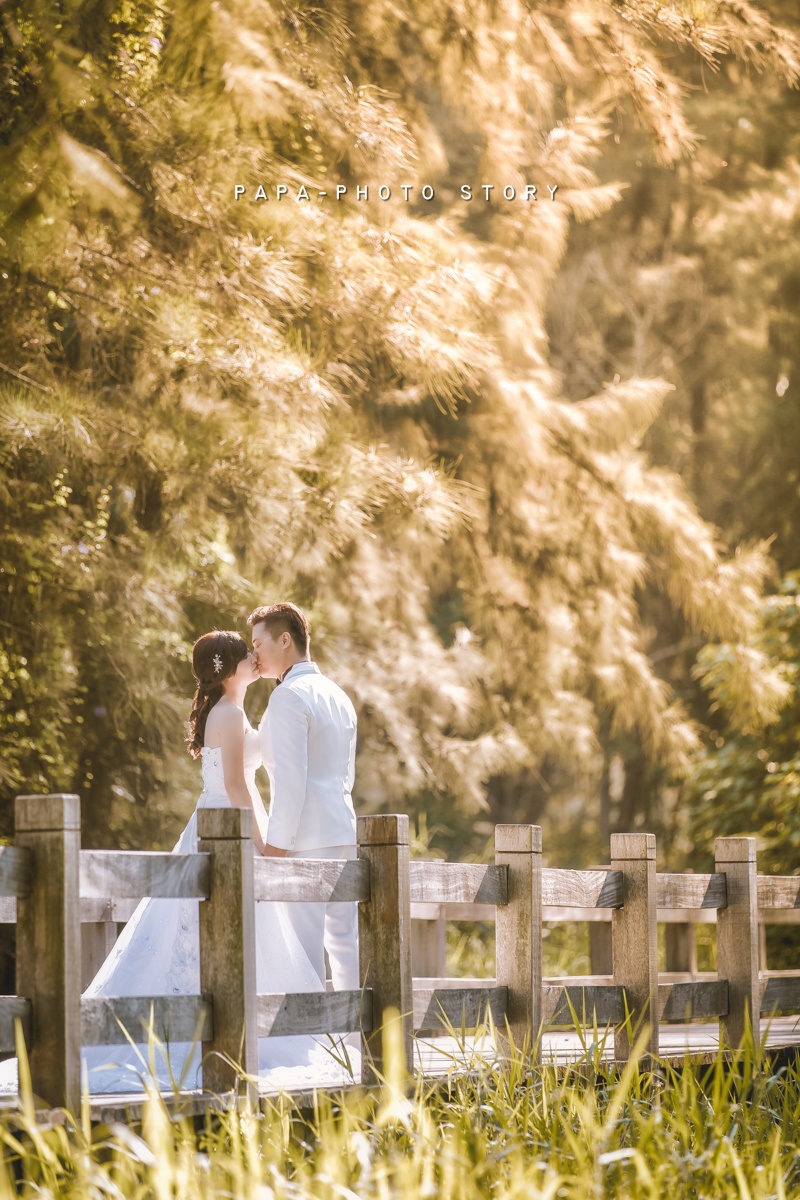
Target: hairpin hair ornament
[217,661]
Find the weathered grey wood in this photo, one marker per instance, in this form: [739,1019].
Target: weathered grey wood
[603,1003]
[305,879]
[579,981]
[451,911]
[94,909]
[98,908]
[601,958]
[14,1008]
[228,949]
[97,942]
[103,908]
[634,934]
[581,889]
[572,915]
[314,1012]
[15,870]
[780,994]
[47,813]
[691,1000]
[778,891]
[382,829]
[449,982]
[737,937]
[428,946]
[518,848]
[91,909]
[48,944]
[460,1008]
[561,1047]
[690,891]
[600,916]
[681,948]
[385,936]
[140,873]
[105,1020]
[629,846]
[779,916]
[594,916]
[466,883]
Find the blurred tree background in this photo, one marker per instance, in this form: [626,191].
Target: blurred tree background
[529,466]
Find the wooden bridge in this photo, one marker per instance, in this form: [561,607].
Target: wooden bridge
[51,887]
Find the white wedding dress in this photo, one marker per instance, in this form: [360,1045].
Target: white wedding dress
[158,954]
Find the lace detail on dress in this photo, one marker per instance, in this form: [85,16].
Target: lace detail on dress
[214,793]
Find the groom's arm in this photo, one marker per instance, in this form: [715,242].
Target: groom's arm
[288,730]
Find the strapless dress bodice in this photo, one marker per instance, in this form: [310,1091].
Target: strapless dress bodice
[214,794]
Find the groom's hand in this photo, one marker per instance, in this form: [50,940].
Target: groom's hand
[273,851]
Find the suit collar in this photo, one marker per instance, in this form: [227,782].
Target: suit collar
[300,668]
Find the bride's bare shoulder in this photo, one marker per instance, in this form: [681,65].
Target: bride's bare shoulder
[225,721]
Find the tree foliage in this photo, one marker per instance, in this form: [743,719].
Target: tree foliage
[211,403]
[691,276]
[749,783]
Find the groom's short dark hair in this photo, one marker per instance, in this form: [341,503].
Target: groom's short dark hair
[284,618]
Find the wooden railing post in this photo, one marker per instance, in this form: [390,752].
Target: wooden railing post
[634,937]
[228,949]
[49,945]
[384,932]
[519,931]
[428,947]
[601,961]
[737,937]
[681,949]
[97,942]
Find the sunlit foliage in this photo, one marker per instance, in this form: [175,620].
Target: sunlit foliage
[211,402]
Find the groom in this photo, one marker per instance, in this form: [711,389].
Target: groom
[308,744]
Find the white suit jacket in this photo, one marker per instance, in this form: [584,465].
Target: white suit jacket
[308,744]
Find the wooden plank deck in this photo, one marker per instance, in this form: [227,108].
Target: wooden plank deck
[438,1057]
[699,1040]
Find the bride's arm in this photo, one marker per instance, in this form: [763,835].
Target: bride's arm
[232,743]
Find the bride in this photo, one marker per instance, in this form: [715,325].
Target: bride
[158,952]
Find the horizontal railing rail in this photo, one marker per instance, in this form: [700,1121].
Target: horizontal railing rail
[116,1020]
[295,879]
[582,889]
[13,1009]
[281,1015]
[604,1003]
[437,1009]
[466,883]
[780,994]
[692,1000]
[136,874]
[691,891]
[778,891]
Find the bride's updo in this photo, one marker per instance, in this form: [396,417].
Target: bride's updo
[215,657]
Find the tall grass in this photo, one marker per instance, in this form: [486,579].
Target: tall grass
[729,1129]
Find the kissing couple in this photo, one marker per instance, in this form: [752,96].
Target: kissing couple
[306,740]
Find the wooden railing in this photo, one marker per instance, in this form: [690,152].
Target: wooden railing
[429,924]
[52,887]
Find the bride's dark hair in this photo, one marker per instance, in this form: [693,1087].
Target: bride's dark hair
[215,657]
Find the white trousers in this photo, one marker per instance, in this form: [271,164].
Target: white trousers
[332,927]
